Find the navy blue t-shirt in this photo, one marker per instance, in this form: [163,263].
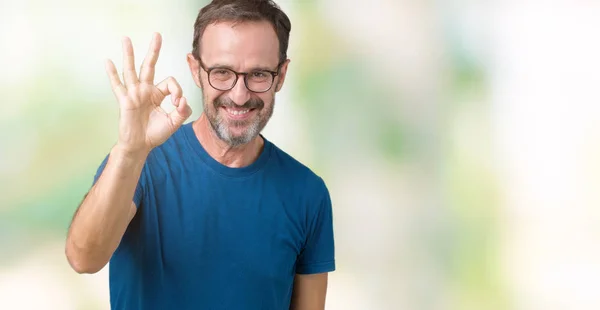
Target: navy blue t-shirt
[206,236]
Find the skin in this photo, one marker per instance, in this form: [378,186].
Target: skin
[241,47]
[103,216]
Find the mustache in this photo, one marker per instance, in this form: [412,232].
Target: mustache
[253,103]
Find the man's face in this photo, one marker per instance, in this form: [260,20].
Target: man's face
[237,115]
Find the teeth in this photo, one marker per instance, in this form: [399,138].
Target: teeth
[238,112]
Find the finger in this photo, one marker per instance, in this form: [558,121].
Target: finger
[115,81]
[170,86]
[129,74]
[147,70]
[181,113]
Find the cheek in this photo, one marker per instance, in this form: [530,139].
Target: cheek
[210,97]
[207,91]
[268,99]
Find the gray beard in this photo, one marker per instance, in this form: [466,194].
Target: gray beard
[222,131]
[221,127]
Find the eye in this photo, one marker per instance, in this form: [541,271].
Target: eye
[259,74]
[221,71]
[221,74]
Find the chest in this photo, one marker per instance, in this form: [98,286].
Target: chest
[250,229]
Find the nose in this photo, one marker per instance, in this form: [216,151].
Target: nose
[239,94]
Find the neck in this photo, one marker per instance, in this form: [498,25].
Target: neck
[233,157]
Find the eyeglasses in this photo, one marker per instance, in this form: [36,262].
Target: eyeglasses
[224,79]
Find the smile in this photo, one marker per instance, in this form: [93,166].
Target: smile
[238,114]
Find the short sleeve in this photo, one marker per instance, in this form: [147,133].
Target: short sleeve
[137,196]
[318,254]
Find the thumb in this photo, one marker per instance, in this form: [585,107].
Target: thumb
[180,113]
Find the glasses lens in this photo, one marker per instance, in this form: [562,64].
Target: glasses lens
[259,81]
[222,79]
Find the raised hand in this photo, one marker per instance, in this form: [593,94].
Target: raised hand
[143,124]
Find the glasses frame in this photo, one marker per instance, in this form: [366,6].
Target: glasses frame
[237,76]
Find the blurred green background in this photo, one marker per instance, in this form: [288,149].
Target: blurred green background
[459,140]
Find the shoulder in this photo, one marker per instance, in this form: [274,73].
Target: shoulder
[296,174]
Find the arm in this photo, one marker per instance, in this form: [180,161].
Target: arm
[103,216]
[309,292]
[316,259]
[106,211]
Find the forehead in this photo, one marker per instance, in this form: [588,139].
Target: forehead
[243,44]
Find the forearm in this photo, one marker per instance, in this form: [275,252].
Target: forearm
[105,213]
[309,292]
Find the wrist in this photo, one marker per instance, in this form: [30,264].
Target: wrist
[126,155]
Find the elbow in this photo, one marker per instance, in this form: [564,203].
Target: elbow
[80,263]
[83,268]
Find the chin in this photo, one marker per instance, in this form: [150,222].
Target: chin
[237,136]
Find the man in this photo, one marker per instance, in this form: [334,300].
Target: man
[209,214]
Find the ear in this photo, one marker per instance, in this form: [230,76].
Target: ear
[281,75]
[194,65]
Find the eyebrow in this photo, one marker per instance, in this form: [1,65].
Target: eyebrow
[224,66]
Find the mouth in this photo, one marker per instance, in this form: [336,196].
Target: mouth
[238,114]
